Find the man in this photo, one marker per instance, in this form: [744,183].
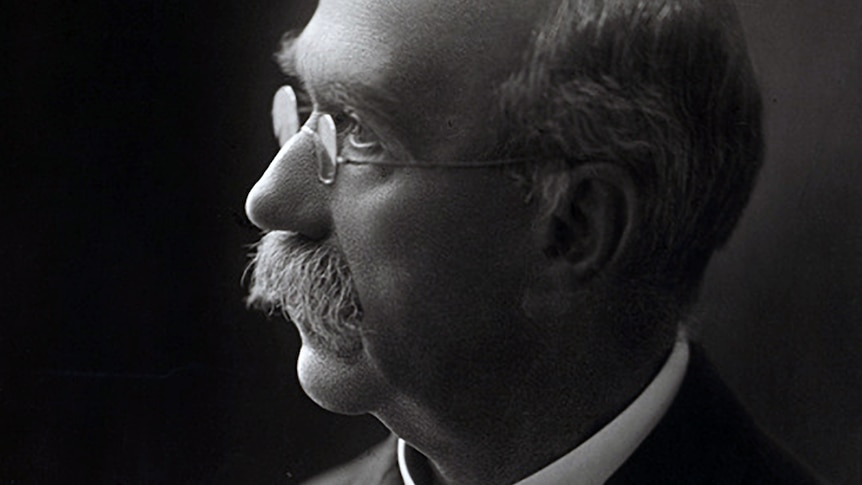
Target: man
[491,225]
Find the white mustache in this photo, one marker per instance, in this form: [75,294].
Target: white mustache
[310,283]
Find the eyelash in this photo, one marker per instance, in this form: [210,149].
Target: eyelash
[351,130]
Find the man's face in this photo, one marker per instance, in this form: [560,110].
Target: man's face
[425,268]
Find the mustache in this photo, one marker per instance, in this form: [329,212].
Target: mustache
[310,284]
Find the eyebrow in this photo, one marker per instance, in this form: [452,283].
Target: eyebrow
[365,99]
[285,57]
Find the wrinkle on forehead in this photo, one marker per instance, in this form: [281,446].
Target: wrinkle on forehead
[404,41]
[342,46]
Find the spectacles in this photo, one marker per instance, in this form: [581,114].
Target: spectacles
[286,125]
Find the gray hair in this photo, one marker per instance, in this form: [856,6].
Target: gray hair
[666,90]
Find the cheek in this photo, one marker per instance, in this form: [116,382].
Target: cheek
[439,266]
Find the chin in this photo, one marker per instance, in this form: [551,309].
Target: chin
[338,384]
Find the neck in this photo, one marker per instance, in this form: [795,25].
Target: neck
[502,434]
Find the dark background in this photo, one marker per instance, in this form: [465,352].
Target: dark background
[133,129]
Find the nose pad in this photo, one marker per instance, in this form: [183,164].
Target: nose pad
[288,195]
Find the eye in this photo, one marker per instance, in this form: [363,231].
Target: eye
[358,142]
[361,137]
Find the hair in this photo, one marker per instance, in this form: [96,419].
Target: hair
[664,89]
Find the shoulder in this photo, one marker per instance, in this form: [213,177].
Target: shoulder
[708,437]
[376,466]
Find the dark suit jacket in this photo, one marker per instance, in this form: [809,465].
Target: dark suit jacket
[705,438]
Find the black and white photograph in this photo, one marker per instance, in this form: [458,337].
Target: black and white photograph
[427,242]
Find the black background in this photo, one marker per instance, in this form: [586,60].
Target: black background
[132,131]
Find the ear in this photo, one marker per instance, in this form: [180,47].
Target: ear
[590,224]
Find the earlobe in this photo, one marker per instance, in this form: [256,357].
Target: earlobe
[589,223]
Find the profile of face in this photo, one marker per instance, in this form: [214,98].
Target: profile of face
[402,280]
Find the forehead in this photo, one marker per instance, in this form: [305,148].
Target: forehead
[433,64]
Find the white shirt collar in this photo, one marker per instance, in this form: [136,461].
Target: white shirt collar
[597,458]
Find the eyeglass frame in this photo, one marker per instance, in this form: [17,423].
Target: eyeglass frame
[285,118]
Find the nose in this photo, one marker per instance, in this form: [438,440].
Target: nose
[288,196]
